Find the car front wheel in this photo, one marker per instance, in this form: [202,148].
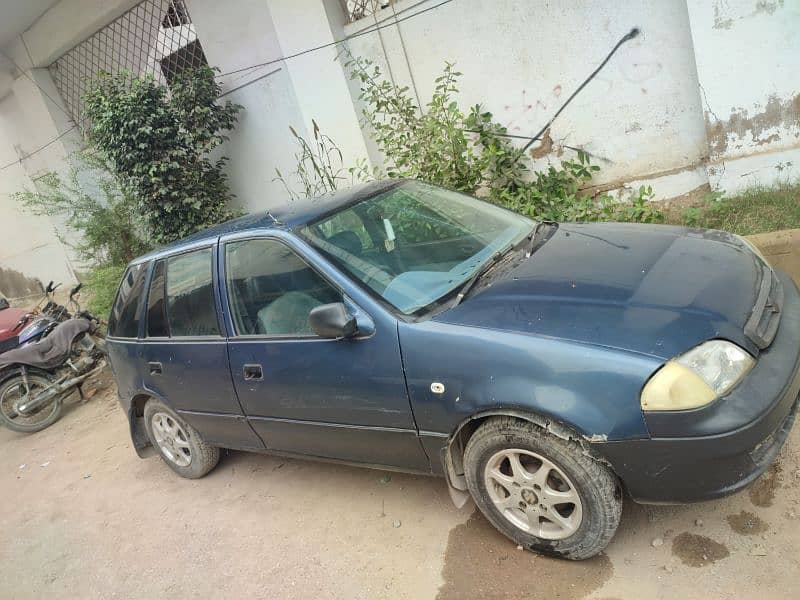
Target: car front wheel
[178,443]
[541,491]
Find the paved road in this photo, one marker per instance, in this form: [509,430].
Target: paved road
[98,522]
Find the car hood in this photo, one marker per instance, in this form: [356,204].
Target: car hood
[652,289]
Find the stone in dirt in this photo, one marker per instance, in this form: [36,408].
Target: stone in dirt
[396,524]
[657,542]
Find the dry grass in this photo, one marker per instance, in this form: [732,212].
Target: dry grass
[756,210]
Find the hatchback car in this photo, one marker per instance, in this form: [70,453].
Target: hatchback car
[544,369]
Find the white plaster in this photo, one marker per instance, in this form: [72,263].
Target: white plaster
[747,53]
[521,60]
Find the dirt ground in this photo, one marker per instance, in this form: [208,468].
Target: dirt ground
[84,517]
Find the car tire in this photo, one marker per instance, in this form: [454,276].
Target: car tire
[179,444]
[554,499]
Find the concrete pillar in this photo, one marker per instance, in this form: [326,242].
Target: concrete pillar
[31,120]
[320,83]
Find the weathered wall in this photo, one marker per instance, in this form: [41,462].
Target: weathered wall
[706,95]
[640,116]
[28,248]
[748,63]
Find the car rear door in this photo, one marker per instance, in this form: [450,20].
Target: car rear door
[342,399]
[183,354]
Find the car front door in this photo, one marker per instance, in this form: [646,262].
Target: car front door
[344,399]
[184,357]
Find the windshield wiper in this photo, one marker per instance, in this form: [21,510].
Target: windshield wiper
[488,264]
[533,236]
[492,260]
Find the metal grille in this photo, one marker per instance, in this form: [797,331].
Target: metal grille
[358,9]
[155,37]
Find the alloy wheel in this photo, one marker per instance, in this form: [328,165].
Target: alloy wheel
[171,439]
[533,494]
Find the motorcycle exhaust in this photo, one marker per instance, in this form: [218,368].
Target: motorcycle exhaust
[55,390]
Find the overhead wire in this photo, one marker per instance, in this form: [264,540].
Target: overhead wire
[371,29]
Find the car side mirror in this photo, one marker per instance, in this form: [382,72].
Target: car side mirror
[332,321]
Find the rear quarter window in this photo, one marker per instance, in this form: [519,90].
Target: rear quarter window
[191,310]
[124,319]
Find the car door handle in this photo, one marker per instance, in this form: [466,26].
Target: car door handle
[253,372]
[156,368]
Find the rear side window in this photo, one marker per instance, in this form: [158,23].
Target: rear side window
[190,295]
[124,318]
[156,306]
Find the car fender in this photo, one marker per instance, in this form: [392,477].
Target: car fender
[139,438]
[453,451]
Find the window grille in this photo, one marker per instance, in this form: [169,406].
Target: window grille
[155,37]
[358,9]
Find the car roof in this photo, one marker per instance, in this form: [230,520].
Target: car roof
[293,214]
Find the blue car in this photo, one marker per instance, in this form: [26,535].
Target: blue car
[547,370]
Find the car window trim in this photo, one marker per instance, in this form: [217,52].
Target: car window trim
[218,336]
[265,336]
[147,266]
[151,277]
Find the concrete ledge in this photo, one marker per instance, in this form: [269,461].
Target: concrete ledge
[781,249]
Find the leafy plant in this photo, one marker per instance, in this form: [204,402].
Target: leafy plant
[101,285]
[105,216]
[157,142]
[431,145]
[473,153]
[320,167]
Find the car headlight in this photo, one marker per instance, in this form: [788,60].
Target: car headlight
[698,377]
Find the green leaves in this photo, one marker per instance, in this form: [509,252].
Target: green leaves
[105,214]
[157,143]
[472,153]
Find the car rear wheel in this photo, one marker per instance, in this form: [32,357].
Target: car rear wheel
[541,491]
[178,443]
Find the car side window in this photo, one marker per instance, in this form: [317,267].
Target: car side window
[271,289]
[191,310]
[124,319]
[156,306]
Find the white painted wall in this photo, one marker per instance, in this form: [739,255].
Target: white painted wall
[707,94]
[748,64]
[27,244]
[276,96]
[261,142]
[521,60]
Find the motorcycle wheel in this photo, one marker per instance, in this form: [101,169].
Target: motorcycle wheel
[12,390]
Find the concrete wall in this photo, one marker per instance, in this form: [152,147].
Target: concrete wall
[261,141]
[748,64]
[706,97]
[279,95]
[640,117]
[28,248]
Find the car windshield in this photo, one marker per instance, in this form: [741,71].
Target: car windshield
[416,243]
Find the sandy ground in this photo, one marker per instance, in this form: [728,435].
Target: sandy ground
[84,517]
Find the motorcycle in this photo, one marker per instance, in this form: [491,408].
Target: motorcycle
[32,326]
[36,378]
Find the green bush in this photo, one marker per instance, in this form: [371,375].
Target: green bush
[105,216]
[101,287]
[471,152]
[157,142]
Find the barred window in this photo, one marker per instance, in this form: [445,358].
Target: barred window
[155,37]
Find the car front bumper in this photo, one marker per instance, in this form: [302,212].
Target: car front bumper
[717,450]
